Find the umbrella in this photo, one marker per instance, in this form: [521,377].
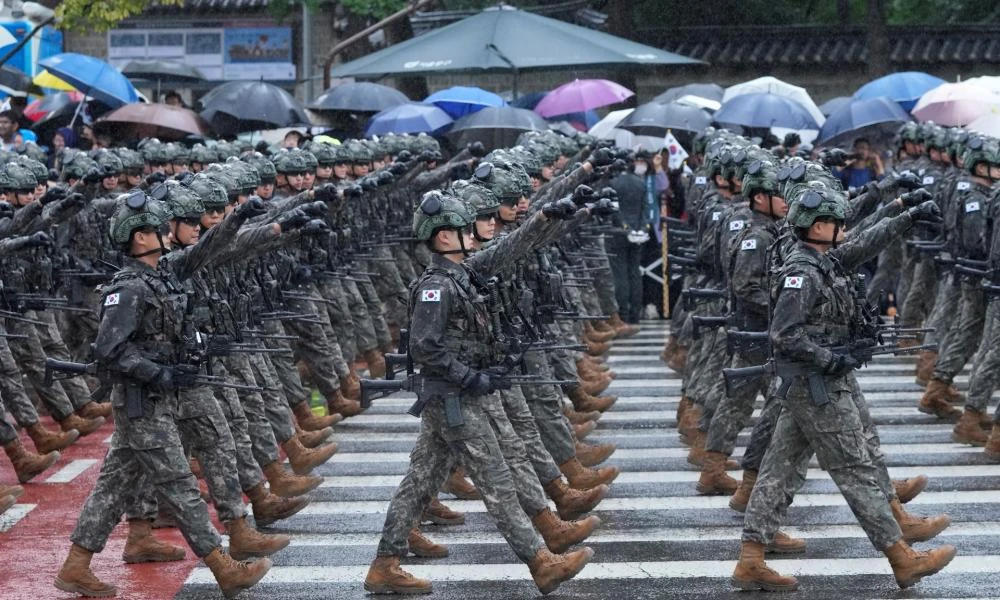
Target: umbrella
[62,116]
[459,101]
[709,91]
[16,83]
[496,127]
[956,104]
[875,118]
[580,95]
[988,124]
[160,70]
[604,129]
[251,105]
[765,110]
[833,104]
[503,38]
[528,101]
[580,121]
[905,88]
[656,119]
[359,96]
[411,117]
[93,77]
[776,87]
[152,120]
[37,109]
[51,82]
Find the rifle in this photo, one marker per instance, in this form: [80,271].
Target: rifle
[13,316]
[746,339]
[72,369]
[698,322]
[691,294]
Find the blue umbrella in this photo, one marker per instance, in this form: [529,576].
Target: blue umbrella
[873,118]
[905,88]
[93,77]
[765,110]
[411,117]
[460,101]
[831,105]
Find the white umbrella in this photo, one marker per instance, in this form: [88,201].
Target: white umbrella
[988,124]
[990,82]
[956,104]
[773,85]
[603,129]
[699,102]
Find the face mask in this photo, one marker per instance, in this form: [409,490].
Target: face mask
[640,169]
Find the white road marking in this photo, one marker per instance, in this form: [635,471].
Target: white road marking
[70,472]
[13,515]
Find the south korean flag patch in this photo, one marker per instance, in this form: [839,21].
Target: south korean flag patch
[430,296]
[794,283]
[748,245]
[735,225]
[112,299]
[972,207]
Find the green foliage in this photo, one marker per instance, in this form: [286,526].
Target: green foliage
[281,9]
[101,15]
[378,9]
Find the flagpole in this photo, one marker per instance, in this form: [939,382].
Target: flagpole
[664,246]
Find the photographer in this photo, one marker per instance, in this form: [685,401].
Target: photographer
[862,166]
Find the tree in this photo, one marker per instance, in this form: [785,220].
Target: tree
[101,15]
[878,39]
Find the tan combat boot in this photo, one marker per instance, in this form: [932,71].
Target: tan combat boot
[82,425]
[376,363]
[268,507]
[925,366]
[583,429]
[622,328]
[935,401]
[350,386]
[309,421]
[313,439]
[287,484]
[967,430]
[50,441]
[235,576]
[591,455]
[550,570]
[598,336]
[678,362]
[560,535]
[386,577]
[910,566]
[246,542]
[28,465]
[582,478]
[669,349]
[688,425]
[143,547]
[595,349]
[576,417]
[714,481]
[6,503]
[14,491]
[682,407]
[303,460]
[93,410]
[424,548]
[993,443]
[917,529]
[696,455]
[584,402]
[602,326]
[741,498]
[439,514]
[752,573]
[595,387]
[76,577]
[786,544]
[339,405]
[458,486]
[908,489]
[571,503]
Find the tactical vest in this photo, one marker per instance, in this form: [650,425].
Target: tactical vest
[468,334]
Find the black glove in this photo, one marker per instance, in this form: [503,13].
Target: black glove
[293,220]
[426,156]
[385,177]
[477,383]
[74,199]
[353,191]
[185,178]
[6,210]
[404,156]
[925,212]
[833,157]
[325,193]
[916,197]
[460,171]
[601,157]
[93,175]
[398,168]
[315,209]
[171,379]
[603,208]
[477,149]
[253,207]
[583,194]
[53,195]
[560,209]
[609,192]
[315,227]
[155,178]
[368,183]
[840,364]
[39,238]
[619,165]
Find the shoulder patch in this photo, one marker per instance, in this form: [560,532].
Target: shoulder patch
[929,179]
[735,225]
[748,245]
[793,282]
[716,215]
[700,180]
[971,206]
[112,299]
[962,185]
[430,296]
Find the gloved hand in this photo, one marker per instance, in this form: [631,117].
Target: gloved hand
[560,209]
[638,237]
[601,157]
[477,149]
[460,171]
[477,383]
[39,239]
[426,156]
[253,207]
[603,208]
[154,178]
[916,197]
[293,220]
[833,157]
[398,168]
[53,195]
[353,191]
[73,200]
[609,192]
[315,209]
[368,183]
[185,178]
[173,378]
[6,210]
[315,227]
[325,193]
[93,175]
[583,194]
[926,212]
[840,364]
[404,156]
[385,177]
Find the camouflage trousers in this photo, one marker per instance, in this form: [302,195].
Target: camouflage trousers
[890,264]
[79,330]
[603,279]
[338,310]
[763,431]
[473,445]
[145,451]
[12,389]
[734,411]
[707,386]
[276,405]
[53,346]
[285,371]
[923,289]
[30,358]
[263,445]
[847,447]
[524,425]
[943,313]
[403,253]
[374,308]
[986,362]
[7,432]
[966,332]
[315,345]
[545,404]
[364,327]
[390,287]
[906,275]
[247,468]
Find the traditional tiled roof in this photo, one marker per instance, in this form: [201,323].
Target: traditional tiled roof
[797,45]
[210,6]
[572,11]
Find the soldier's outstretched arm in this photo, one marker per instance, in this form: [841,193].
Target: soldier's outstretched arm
[868,243]
[886,211]
[509,249]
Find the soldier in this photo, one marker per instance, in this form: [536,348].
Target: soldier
[140,332]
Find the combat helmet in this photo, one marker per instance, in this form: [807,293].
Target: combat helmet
[326,154]
[212,193]
[980,149]
[33,150]
[508,185]
[439,210]
[108,162]
[75,164]
[40,171]
[761,176]
[182,202]
[246,176]
[813,201]
[136,210]
[202,154]
[478,199]
[265,168]
[19,178]
[132,163]
[290,161]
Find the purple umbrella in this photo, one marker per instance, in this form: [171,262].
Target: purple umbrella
[582,95]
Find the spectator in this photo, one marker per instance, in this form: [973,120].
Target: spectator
[292,139]
[791,143]
[8,129]
[173,99]
[626,244]
[862,166]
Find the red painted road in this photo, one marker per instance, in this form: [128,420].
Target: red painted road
[32,551]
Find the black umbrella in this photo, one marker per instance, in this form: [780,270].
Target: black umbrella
[496,126]
[16,83]
[655,119]
[240,106]
[169,71]
[360,96]
[709,91]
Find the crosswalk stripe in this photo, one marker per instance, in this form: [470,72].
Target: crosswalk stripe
[71,470]
[14,514]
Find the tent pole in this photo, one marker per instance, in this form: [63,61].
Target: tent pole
[514,86]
